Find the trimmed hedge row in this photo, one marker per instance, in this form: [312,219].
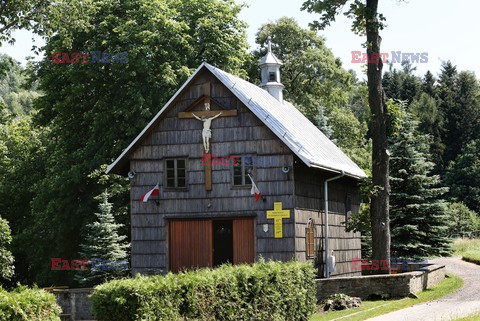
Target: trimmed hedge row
[24,304]
[262,291]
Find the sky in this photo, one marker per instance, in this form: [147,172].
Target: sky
[445,29]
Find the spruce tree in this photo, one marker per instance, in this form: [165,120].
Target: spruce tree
[447,84]
[418,217]
[322,122]
[431,121]
[104,248]
[428,84]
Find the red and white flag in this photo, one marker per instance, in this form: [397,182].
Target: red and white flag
[153,192]
[255,191]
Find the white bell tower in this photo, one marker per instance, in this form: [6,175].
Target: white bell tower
[270,70]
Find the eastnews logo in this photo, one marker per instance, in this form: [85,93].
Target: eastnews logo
[245,160]
[59,57]
[359,57]
[394,263]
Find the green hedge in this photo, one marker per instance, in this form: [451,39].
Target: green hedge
[24,304]
[262,291]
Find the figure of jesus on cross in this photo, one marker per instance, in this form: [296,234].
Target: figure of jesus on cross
[206,116]
[206,132]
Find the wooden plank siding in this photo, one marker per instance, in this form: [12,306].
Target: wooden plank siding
[174,137]
[309,203]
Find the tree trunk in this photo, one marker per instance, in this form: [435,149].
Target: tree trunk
[379,206]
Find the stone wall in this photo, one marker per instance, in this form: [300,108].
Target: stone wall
[382,286]
[75,304]
[421,280]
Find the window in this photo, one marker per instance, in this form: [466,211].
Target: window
[272,76]
[310,238]
[176,173]
[242,166]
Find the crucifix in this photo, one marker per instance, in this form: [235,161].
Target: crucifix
[207,116]
[206,132]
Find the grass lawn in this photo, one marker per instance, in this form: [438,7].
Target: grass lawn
[371,309]
[469,249]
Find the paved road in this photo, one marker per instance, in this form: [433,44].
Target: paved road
[461,303]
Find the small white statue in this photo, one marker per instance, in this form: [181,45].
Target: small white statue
[206,132]
[331,263]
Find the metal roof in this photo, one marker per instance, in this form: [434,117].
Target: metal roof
[286,121]
[270,58]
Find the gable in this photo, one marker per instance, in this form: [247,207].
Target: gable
[283,119]
[238,133]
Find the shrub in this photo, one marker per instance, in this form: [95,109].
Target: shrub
[340,301]
[262,291]
[24,304]
[463,221]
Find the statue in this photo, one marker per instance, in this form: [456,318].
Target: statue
[206,132]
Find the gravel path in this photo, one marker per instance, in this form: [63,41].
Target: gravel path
[461,303]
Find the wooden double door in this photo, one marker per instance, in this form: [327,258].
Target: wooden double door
[209,243]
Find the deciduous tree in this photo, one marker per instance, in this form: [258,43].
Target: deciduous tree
[368,21]
[316,83]
[94,110]
[463,221]
[312,76]
[13,87]
[22,164]
[6,257]
[43,17]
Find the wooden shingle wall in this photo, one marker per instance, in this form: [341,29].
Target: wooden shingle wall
[309,203]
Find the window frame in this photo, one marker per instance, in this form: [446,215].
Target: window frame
[175,171]
[270,78]
[310,239]
[244,173]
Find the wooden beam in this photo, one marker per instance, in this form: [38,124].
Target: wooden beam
[208,113]
[196,102]
[208,178]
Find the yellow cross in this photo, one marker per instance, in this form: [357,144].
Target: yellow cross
[277,215]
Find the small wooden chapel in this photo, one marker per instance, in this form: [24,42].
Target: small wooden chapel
[206,212]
